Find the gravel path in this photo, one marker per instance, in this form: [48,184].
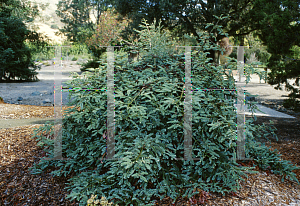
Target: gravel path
[268,96]
[39,93]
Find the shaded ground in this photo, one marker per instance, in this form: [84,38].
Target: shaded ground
[288,132]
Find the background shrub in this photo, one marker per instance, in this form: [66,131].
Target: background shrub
[46,53]
[90,64]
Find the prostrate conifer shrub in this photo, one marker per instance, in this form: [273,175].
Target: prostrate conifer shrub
[149,132]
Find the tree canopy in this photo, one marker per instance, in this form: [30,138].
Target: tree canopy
[180,17]
[189,17]
[15,56]
[279,28]
[76,14]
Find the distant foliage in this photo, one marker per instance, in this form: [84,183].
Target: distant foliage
[15,56]
[279,31]
[42,52]
[107,32]
[54,26]
[75,15]
[256,48]
[108,29]
[149,133]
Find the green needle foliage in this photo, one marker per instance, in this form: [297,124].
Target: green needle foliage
[149,131]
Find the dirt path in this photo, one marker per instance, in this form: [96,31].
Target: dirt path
[9,123]
[12,115]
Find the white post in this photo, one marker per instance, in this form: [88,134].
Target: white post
[57,104]
[240,109]
[188,133]
[110,104]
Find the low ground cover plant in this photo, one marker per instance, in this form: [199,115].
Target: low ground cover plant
[149,129]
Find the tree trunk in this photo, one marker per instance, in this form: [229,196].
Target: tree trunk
[98,12]
[242,40]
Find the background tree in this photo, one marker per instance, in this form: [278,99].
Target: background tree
[190,16]
[99,7]
[279,28]
[107,31]
[15,56]
[23,9]
[257,51]
[76,14]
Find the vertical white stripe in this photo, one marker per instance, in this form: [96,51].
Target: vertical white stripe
[188,106]
[110,103]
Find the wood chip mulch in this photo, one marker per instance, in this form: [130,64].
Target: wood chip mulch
[18,152]
[18,111]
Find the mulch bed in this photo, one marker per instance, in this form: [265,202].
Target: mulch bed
[17,186]
[288,133]
[18,152]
